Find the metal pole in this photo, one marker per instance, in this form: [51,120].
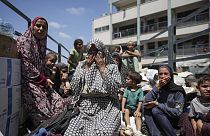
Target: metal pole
[171,38]
[209,27]
[110,22]
[59,52]
[138,27]
[6,2]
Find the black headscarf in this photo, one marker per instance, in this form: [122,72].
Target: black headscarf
[171,85]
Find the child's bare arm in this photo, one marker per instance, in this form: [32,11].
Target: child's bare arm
[137,113]
[134,53]
[125,54]
[70,61]
[139,106]
[123,104]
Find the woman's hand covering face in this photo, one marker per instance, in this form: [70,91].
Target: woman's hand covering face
[164,77]
[164,81]
[99,59]
[89,59]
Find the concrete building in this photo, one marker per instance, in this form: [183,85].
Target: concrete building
[119,26]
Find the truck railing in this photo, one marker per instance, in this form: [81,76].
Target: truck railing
[25,17]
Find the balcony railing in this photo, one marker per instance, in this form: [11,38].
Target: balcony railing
[184,50]
[198,19]
[126,32]
[146,1]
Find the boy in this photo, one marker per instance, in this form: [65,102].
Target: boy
[130,57]
[131,102]
[76,55]
[200,108]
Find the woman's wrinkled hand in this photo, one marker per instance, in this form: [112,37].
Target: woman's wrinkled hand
[163,81]
[100,62]
[89,60]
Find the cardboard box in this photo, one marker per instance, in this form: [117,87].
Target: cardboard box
[8,47]
[10,73]
[10,103]
[10,126]
[10,95]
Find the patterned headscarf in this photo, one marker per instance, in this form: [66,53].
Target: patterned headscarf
[100,46]
[170,85]
[93,78]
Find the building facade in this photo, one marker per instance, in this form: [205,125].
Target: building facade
[120,26]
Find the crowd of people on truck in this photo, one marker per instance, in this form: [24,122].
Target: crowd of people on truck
[113,94]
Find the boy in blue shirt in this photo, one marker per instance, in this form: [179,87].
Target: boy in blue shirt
[131,102]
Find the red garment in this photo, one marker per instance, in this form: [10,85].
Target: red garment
[185,125]
[205,131]
[39,101]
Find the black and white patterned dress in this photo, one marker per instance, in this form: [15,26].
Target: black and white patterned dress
[99,107]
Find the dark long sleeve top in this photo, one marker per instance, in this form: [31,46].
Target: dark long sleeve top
[170,102]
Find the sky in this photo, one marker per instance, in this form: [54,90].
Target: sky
[67,19]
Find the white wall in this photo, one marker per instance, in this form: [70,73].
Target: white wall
[103,36]
[102,21]
[179,32]
[124,40]
[146,9]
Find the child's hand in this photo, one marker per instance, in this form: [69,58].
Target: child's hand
[128,52]
[122,89]
[49,83]
[66,91]
[67,85]
[137,114]
[54,69]
[123,110]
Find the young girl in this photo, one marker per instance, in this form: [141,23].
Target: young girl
[61,84]
[49,67]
